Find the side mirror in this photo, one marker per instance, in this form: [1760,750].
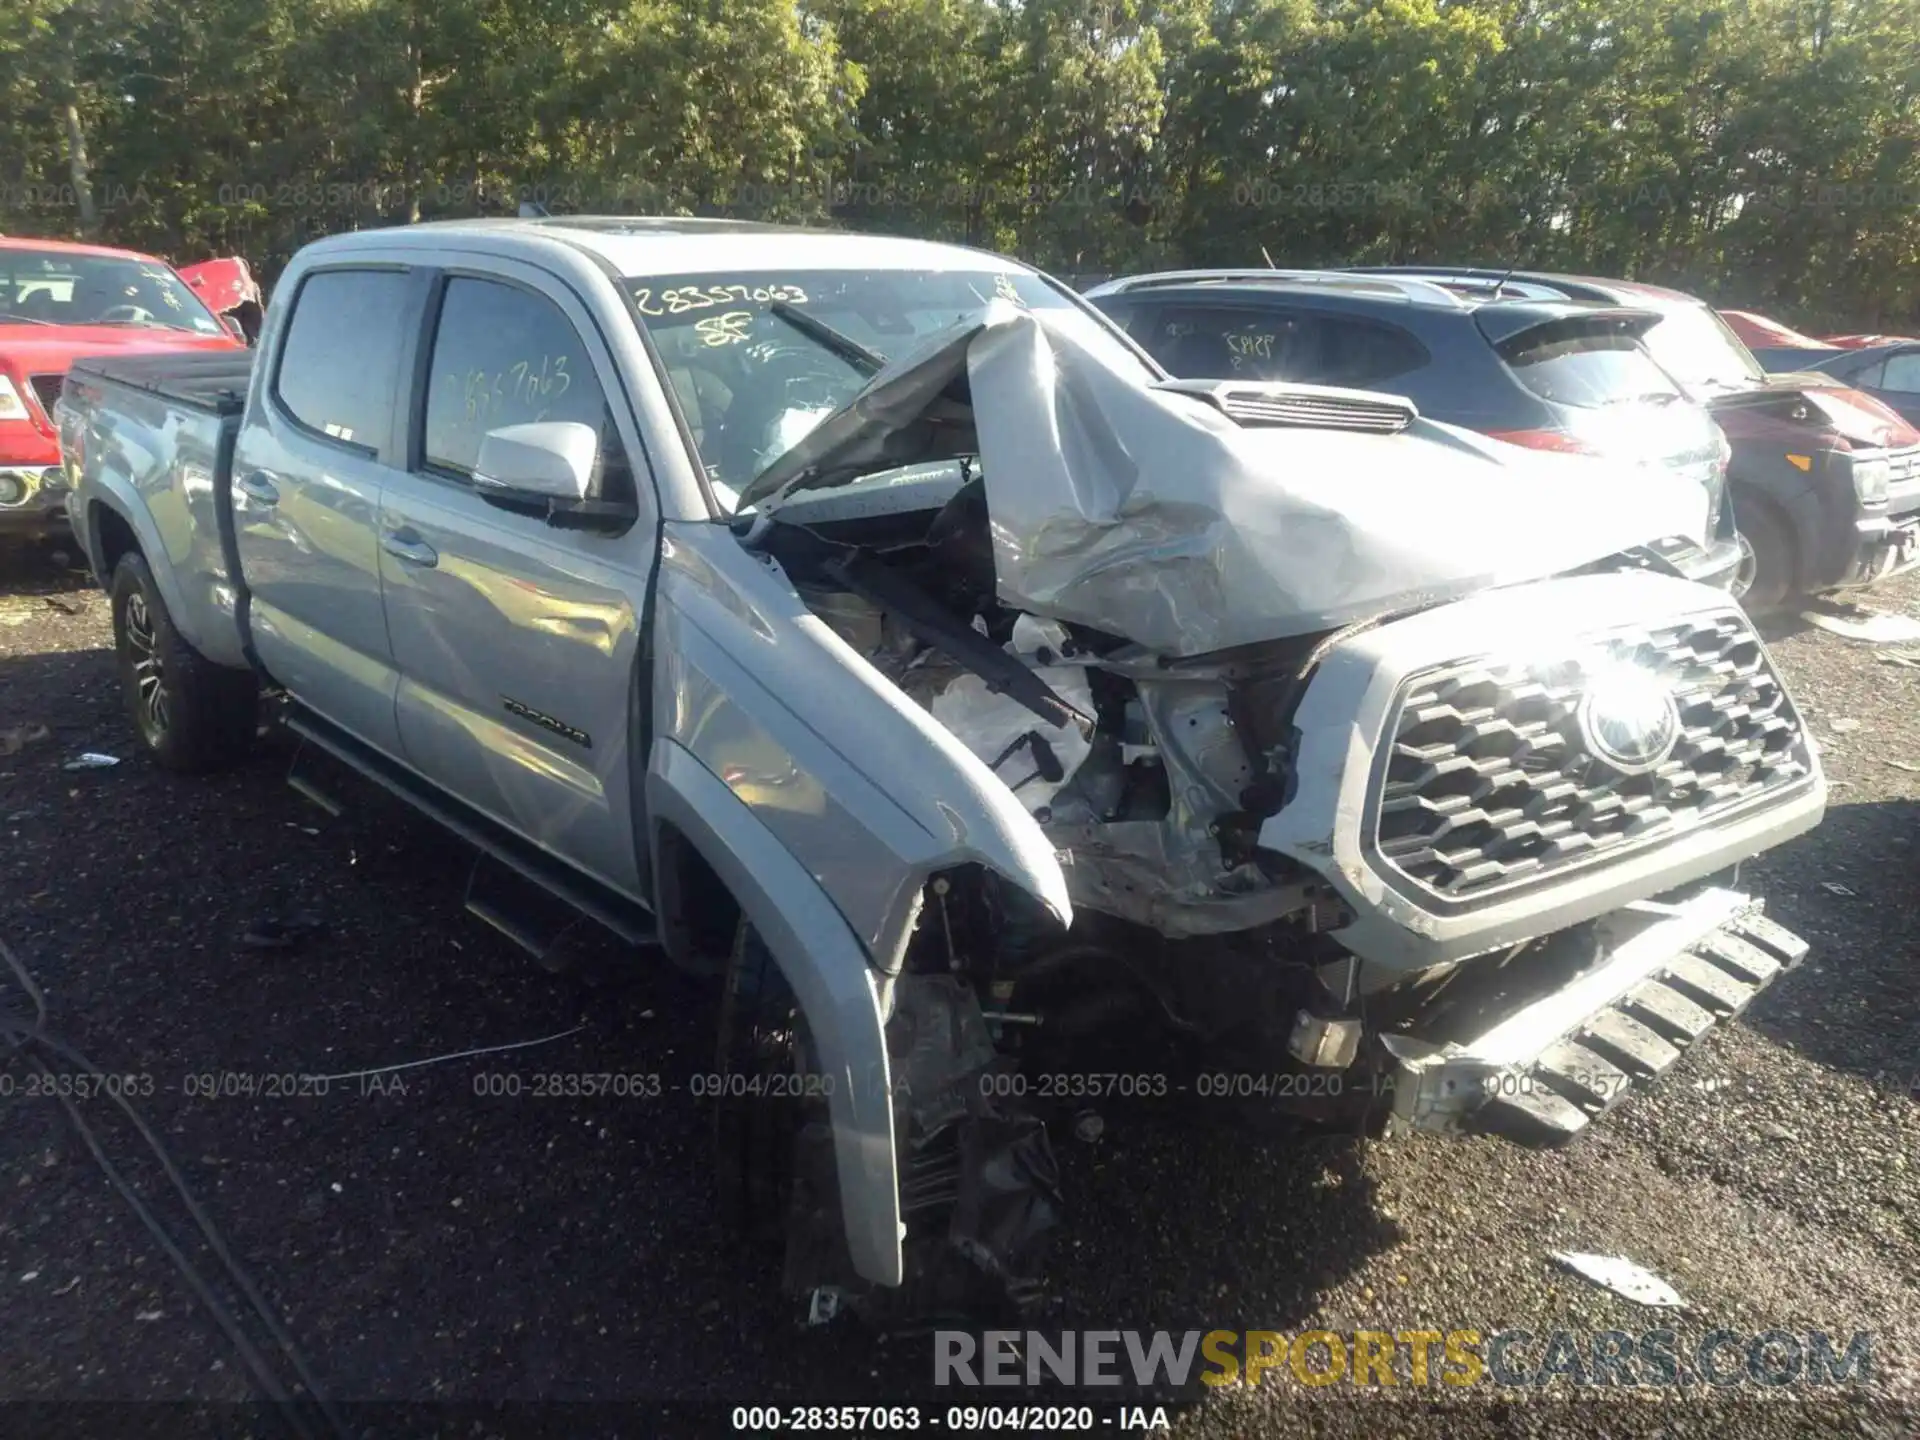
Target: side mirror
[234,327]
[546,469]
[548,460]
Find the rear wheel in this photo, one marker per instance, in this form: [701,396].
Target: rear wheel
[189,713]
[1768,564]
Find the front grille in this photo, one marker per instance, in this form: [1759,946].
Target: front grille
[1491,785]
[1903,479]
[47,388]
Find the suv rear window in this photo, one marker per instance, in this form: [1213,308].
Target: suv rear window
[1585,370]
[340,365]
[1221,342]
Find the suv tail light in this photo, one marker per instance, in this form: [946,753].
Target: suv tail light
[1556,440]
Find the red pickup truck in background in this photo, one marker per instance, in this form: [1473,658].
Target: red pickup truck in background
[61,301]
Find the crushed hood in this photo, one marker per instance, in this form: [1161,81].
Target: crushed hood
[1145,511]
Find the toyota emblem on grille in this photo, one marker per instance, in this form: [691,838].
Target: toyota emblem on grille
[1629,720]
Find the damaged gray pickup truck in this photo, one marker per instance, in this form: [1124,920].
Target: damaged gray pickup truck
[1025,736]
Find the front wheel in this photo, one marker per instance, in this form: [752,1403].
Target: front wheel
[759,1110]
[1767,578]
[190,714]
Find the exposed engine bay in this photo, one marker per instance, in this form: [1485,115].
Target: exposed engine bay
[1134,765]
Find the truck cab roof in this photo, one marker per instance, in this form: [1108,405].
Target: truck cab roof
[674,245]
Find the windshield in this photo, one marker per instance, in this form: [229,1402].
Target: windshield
[757,360]
[63,287]
[1698,348]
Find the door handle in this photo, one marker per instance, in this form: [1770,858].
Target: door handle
[408,546]
[258,487]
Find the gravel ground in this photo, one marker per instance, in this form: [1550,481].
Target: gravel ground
[427,1243]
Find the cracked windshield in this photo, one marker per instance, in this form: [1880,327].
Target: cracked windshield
[757,360]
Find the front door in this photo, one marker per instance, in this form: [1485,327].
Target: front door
[518,644]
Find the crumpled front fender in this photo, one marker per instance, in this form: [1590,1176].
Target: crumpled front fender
[836,989]
[865,789]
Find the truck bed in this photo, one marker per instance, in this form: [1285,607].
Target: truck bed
[214,381]
[156,434]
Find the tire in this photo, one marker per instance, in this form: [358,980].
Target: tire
[189,714]
[1771,565]
[755,1134]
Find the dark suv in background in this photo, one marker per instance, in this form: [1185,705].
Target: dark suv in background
[1548,374]
[1825,480]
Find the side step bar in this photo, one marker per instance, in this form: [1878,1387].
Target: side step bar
[1543,1073]
[495,902]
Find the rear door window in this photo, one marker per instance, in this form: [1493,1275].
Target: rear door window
[1586,369]
[1222,342]
[1864,377]
[503,355]
[1903,373]
[340,363]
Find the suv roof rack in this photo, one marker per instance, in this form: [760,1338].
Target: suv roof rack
[1513,284]
[1405,288]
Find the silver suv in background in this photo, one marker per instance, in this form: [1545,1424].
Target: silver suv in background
[1015,731]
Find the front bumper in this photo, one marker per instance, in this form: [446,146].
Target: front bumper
[33,500]
[1884,546]
[1541,1072]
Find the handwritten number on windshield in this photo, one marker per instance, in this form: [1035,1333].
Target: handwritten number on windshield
[686,299]
[730,328]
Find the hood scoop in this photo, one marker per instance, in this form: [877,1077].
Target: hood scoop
[1320,407]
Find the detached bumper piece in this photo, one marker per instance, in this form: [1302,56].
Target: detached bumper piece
[1542,1073]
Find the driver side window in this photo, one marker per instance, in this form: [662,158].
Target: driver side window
[507,356]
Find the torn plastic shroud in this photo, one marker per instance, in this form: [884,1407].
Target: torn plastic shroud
[1150,514]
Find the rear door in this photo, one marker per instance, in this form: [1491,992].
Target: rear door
[308,469]
[518,643]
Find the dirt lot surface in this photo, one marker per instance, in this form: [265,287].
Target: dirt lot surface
[428,1242]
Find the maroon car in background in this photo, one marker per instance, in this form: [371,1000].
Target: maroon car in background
[1825,480]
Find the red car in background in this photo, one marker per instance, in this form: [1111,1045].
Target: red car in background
[229,289]
[1759,333]
[58,302]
